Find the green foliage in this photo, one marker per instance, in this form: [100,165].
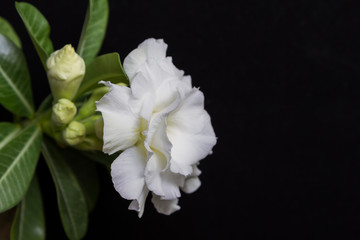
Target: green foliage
[86,174]
[106,67]
[7,30]
[94,30]
[100,157]
[15,89]
[38,29]
[29,222]
[71,200]
[74,174]
[19,153]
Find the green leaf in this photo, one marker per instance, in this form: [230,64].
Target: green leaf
[70,197]
[15,89]
[94,30]
[46,104]
[7,30]
[38,29]
[29,222]
[87,175]
[100,157]
[106,67]
[19,153]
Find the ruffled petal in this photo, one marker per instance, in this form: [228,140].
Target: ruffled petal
[154,48]
[144,96]
[133,62]
[162,181]
[168,66]
[150,48]
[191,185]
[192,182]
[166,207]
[121,125]
[127,172]
[170,184]
[139,203]
[156,73]
[190,132]
[153,169]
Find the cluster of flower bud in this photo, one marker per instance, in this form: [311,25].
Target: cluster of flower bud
[80,128]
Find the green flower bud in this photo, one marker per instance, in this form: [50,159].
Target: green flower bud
[63,112]
[74,133]
[66,70]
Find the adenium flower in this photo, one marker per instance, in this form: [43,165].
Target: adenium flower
[160,125]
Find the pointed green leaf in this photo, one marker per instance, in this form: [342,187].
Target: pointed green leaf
[100,157]
[106,67]
[87,175]
[38,29]
[94,30]
[19,153]
[7,30]
[46,104]
[70,197]
[29,220]
[15,89]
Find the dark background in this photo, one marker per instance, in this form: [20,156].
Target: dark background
[281,82]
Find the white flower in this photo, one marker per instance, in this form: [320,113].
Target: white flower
[160,125]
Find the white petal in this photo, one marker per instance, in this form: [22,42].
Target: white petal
[162,181]
[190,132]
[157,137]
[154,48]
[141,86]
[150,48]
[166,207]
[189,116]
[127,172]
[170,184]
[191,185]
[162,94]
[121,125]
[139,203]
[192,182]
[168,66]
[153,169]
[133,62]
[166,93]
[187,81]
[155,73]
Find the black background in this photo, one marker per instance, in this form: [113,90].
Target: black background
[281,83]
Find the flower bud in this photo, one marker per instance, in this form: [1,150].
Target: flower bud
[74,133]
[66,70]
[63,112]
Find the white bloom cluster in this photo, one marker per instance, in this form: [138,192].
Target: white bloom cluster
[160,125]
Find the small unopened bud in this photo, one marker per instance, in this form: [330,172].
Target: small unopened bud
[63,112]
[66,69]
[74,133]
